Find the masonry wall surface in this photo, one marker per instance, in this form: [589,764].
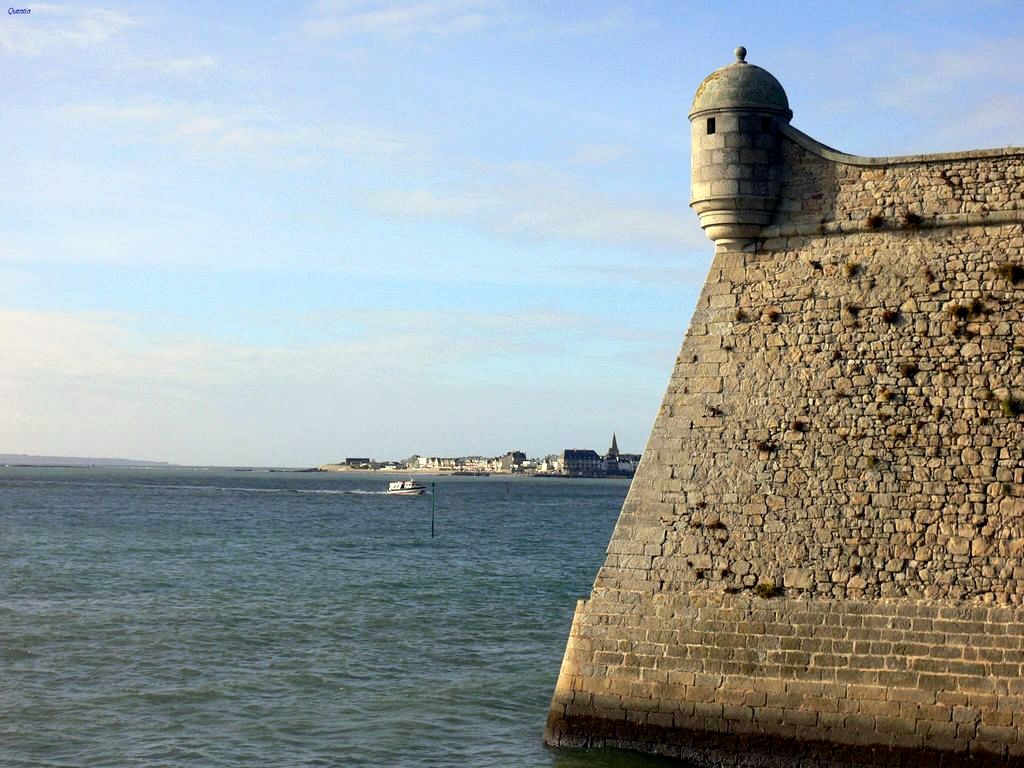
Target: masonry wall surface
[823,543]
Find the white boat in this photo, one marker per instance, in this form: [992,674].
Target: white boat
[406,488]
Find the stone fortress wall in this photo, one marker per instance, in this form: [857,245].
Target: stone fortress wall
[823,543]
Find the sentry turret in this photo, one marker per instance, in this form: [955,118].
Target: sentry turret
[735,151]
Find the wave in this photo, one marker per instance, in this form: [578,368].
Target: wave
[219,488]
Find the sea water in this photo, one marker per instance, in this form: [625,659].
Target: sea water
[201,617]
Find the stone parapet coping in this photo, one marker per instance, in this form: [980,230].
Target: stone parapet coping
[803,229]
[823,150]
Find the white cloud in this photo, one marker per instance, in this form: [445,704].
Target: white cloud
[982,87]
[573,213]
[424,203]
[97,384]
[993,122]
[912,91]
[251,131]
[611,20]
[399,19]
[131,113]
[656,274]
[532,199]
[403,20]
[538,210]
[923,77]
[51,28]
[87,383]
[525,200]
[185,65]
[599,154]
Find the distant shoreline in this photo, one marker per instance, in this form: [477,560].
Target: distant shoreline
[33,460]
[339,469]
[15,461]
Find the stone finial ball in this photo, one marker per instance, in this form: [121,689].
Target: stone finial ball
[741,54]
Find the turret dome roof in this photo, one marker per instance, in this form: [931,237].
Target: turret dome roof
[741,86]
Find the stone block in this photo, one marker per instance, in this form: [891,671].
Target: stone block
[798,578]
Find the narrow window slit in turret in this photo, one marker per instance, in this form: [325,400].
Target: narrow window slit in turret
[711,125]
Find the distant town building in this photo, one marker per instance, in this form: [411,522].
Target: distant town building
[512,461]
[570,463]
[549,465]
[577,462]
[586,463]
[437,463]
[618,464]
[624,466]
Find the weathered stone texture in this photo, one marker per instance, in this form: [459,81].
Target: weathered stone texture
[819,189]
[775,679]
[845,427]
[823,543]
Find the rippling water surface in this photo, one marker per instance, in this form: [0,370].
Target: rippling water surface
[209,617]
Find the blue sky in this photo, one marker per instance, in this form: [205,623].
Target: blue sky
[284,233]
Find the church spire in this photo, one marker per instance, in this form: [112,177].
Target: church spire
[614,450]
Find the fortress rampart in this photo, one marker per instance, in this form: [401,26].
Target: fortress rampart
[821,556]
